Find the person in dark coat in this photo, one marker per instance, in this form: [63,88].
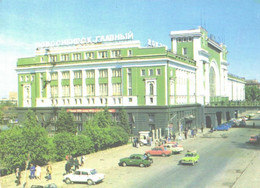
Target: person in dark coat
[67,168]
[18,176]
[76,164]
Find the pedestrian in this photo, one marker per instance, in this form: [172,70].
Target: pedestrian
[18,177]
[49,172]
[38,173]
[254,124]
[201,128]
[76,164]
[82,160]
[137,142]
[173,136]
[67,168]
[179,137]
[186,133]
[32,171]
[192,133]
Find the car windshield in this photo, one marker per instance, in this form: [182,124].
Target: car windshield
[189,155]
[93,171]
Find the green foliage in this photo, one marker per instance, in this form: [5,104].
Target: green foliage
[65,122]
[104,138]
[17,143]
[84,145]
[65,144]
[1,117]
[69,144]
[103,119]
[124,122]
[30,119]
[252,93]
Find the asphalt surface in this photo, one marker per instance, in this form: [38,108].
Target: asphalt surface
[226,160]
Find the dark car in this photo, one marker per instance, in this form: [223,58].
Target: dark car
[136,160]
[242,123]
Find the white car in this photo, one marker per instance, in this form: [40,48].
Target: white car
[89,176]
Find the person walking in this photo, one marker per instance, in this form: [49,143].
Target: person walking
[32,171]
[201,128]
[76,164]
[38,173]
[49,172]
[67,168]
[18,177]
[82,160]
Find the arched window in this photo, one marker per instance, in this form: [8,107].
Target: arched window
[212,82]
[151,89]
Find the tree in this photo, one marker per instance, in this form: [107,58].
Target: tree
[252,93]
[124,122]
[65,122]
[30,119]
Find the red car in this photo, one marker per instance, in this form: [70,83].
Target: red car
[254,139]
[160,151]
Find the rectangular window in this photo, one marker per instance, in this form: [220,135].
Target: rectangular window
[116,89]
[116,72]
[90,74]
[102,54]
[130,52]
[53,58]
[103,73]
[90,89]
[103,89]
[42,59]
[151,117]
[66,75]
[129,81]
[21,78]
[54,91]
[78,90]
[64,57]
[150,72]
[116,53]
[77,74]
[77,116]
[89,55]
[76,56]
[143,72]
[184,51]
[158,72]
[65,91]
[54,76]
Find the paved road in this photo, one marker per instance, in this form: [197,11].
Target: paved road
[226,160]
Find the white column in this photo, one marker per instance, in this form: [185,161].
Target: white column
[96,82]
[109,80]
[59,84]
[71,84]
[84,89]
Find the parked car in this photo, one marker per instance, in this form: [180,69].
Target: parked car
[89,176]
[159,151]
[174,147]
[242,123]
[222,127]
[191,157]
[136,160]
[254,139]
[52,185]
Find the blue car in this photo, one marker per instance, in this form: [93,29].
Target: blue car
[222,127]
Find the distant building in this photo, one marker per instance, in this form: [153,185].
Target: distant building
[160,89]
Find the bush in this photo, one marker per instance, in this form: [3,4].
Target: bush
[84,145]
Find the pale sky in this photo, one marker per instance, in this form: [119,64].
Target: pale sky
[23,23]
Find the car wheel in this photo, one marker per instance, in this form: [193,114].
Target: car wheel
[90,182]
[151,160]
[68,181]
[141,165]
[124,164]
[163,155]
[192,163]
